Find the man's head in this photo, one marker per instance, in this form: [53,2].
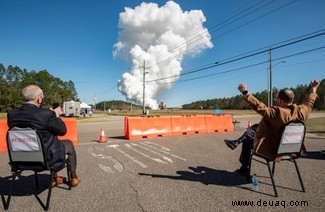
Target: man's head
[33,94]
[285,97]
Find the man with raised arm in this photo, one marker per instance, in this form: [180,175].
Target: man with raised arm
[273,119]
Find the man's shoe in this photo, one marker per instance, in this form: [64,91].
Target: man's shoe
[75,181]
[232,144]
[244,171]
[58,181]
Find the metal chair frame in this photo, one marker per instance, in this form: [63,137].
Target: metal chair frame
[30,156]
[287,150]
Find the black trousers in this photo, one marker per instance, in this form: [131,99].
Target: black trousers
[72,157]
[248,144]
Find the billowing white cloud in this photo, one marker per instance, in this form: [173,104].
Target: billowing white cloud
[160,36]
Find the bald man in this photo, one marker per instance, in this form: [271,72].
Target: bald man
[269,129]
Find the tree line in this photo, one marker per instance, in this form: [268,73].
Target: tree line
[237,102]
[13,79]
[117,105]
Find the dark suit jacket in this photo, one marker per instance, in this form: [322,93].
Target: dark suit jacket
[48,125]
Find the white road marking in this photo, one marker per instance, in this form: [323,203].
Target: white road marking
[145,155]
[116,147]
[106,168]
[154,152]
[117,165]
[175,156]
[162,147]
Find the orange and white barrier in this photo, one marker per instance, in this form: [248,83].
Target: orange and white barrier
[71,124]
[3,133]
[151,127]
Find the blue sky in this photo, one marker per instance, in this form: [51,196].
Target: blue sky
[74,39]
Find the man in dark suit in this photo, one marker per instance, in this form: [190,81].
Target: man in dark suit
[49,125]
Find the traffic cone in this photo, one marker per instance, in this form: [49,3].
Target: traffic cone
[102,138]
[249,125]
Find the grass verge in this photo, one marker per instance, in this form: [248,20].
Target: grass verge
[316,125]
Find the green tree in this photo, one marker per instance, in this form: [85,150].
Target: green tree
[13,80]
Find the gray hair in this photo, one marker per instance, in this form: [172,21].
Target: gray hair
[31,93]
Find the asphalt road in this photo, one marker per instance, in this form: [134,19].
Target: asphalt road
[180,173]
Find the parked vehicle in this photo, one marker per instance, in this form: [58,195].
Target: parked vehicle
[71,108]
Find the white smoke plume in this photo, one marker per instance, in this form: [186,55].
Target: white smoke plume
[160,36]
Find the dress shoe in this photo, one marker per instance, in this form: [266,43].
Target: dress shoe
[232,144]
[244,171]
[58,181]
[75,181]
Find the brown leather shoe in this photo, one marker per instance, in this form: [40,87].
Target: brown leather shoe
[75,181]
[58,181]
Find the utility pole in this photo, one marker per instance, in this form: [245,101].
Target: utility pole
[270,84]
[144,87]
[95,99]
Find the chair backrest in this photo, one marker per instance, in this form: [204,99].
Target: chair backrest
[25,145]
[292,137]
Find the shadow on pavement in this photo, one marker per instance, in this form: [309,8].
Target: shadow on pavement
[210,176]
[319,155]
[206,176]
[23,186]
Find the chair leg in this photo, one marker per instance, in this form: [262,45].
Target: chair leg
[273,168]
[50,191]
[6,203]
[69,176]
[36,180]
[47,204]
[298,172]
[249,167]
[272,179]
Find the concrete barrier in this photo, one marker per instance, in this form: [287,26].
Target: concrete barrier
[151,127]
[71,124]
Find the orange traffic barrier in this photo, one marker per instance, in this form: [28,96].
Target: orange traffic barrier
[165,125]
[102,137]
[211,123]
[71,124]
[224,123]
[151,127]
[200,124]
[189,125]
[177,125]
[219,123]
[228,123]
[3,134]
[133,127]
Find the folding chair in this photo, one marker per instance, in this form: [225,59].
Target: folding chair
[289,149]
[26,152]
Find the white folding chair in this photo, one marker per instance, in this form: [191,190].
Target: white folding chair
[289,149]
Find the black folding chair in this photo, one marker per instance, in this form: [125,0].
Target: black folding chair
[26,152]
[289,149]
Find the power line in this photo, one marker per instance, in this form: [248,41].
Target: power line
[244,56]
[197,37]
[248,66]
[255,19]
